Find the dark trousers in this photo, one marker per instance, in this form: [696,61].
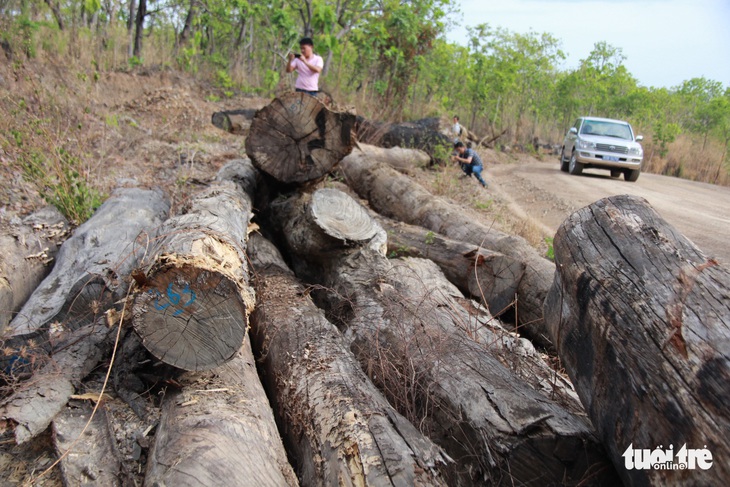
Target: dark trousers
[313,93]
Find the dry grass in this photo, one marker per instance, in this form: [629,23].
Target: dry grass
[689,157]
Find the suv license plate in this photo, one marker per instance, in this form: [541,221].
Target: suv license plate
[610,158]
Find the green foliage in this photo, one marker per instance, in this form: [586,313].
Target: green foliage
[430,238]
[665,134]
[550,254]
[60,183]
[134,62]
[112,120]
[271,79]
[392,60]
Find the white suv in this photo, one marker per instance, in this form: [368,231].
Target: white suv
[602,143]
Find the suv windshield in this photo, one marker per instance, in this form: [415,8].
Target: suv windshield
[606,129]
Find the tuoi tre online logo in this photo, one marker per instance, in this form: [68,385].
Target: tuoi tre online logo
[658,459]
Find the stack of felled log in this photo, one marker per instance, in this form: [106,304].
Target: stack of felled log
[358,330]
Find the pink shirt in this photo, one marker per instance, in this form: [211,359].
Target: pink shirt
[307,79]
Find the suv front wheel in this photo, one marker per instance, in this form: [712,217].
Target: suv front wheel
[631,174]
[574,167]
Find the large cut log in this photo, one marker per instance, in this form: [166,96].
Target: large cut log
[191,310]
[340,429]
[395,195]
[489,276]
[400,158]
[234,121]
[35,403]
[445,363]
[93,265]
[641,319]
[219,430]
[27,248]
[88,447]
[410,135]
[296,138]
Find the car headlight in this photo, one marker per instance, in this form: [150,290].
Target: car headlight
[585,144]
[636,151]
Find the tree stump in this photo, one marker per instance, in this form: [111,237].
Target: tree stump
[192,309]
[296,138]
[339,428]
[641,319]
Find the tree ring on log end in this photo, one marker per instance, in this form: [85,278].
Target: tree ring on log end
[341,217]
[191,318]
[296,138]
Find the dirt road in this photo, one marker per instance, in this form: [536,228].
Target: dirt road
[539,189]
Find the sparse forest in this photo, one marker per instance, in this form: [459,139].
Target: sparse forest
[208,279]
[391,60]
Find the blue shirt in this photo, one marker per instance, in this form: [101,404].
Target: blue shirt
[475,160]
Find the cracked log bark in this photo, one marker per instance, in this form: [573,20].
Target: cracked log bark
[94,264]
[401,159]
[489,276]
[92,267]
[219,430]
[396,196]
[35,403]
[296,138]
[407,135]
[192,307]
[439,359]
[93,457]
[340,429]
[641,319]
[27,249]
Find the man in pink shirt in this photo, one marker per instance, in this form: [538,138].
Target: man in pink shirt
[308,66]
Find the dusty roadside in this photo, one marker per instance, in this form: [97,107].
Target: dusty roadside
[540,191]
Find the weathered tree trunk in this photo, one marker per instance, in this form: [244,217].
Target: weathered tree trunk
[409,135]
[33,406]
[340,429]
[296,138]
[489,276]
[93,458]
[641,320]
[26,251]
[397,196]
[219,430]
[93,265]
[443,366]
[399,158]
[234,121]
[193,305]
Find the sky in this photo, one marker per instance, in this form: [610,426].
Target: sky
[664,42]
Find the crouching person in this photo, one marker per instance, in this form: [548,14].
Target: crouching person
[470,162]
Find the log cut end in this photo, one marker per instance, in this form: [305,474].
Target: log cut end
[341,217]
[191,318]
[296,138]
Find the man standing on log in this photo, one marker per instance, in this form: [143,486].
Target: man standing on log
[308,66]
[470,162]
